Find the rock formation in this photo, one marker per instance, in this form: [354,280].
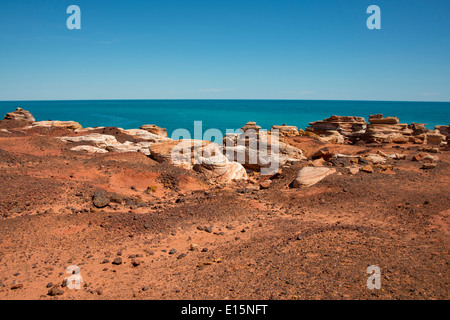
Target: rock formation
[259,150]
[219,169]
[309,176]
[153,128]
[387,130]
[107,143]
[334,128]
[20,115]
[71,125]
[286,131]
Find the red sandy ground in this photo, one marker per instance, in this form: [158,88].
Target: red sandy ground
[277,243]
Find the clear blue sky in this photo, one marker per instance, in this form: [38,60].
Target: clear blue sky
[225,49]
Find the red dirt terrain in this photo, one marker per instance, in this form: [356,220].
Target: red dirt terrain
[188,239]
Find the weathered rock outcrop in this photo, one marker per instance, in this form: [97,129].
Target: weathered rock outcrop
[444,130]
[200,155]
[97,139]
[434,137]
[184,153]
[387,130]
[107,143]
[309,176]
[71,125]
[219,169]
[259,150]
[418,128]
[336,126]
[145,135]
[286,131]
[251,126]
[89,149]
[153,128]
[20,115]
[129,146]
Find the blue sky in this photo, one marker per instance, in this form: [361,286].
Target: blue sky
[225,49]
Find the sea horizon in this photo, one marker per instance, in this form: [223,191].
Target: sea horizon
[223,114]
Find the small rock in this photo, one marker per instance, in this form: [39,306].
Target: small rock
[55,291]
[427,166]
[100,200]
[136,262]
[117,261]
[172,251]
[182,256]
[367,169]
[194,247]
[17,286]
[265,184]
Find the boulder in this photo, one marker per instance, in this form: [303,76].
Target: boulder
[100,200]
[219,169]
[309,176]
[374,158]
[20,115]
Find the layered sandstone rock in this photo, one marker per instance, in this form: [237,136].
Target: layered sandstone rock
[309,176]
[418,128]
[219,169]
[184,153]
[71,125]
[260,150]
[379,119]
[108,143]
[251,126]
[97,139]
[128,146]
[336,126]
[387,130]
[434,137]
[154,129]
[145,135]
[444,130]
[89,149]
[200,155]
[286,131]
[20,115]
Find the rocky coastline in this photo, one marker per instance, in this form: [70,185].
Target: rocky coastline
[88,194]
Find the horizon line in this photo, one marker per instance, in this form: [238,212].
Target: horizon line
[230,99]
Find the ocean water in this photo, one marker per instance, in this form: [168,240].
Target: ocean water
[223,114]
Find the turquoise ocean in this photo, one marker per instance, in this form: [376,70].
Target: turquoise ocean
[224,114]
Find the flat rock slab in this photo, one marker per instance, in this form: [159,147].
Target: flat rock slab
[309,176]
